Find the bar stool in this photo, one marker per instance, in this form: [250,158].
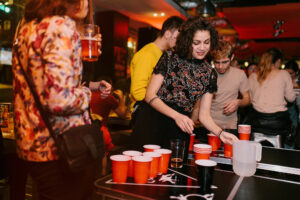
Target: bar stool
[273,139]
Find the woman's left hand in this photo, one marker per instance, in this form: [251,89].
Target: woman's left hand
[228,138]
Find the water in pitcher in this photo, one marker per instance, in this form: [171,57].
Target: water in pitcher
[243,168]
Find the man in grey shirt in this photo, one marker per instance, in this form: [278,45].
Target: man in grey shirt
[231,82]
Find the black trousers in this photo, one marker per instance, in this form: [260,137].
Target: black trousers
[152,127]
[54,184]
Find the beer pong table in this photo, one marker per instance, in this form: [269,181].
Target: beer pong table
[275,179]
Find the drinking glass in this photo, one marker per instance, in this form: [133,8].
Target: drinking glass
[89,42]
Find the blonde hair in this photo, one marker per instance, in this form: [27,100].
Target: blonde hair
[265,65]
[224,49]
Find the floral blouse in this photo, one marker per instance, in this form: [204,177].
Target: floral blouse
[50,53]
[185,81]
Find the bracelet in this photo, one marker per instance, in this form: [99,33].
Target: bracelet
[220,132]
[153,99]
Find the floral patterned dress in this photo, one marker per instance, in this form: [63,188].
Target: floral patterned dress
[50,54]
[185,81]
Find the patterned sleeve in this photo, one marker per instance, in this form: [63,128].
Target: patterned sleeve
[212,86]
[162,65]
[63,94]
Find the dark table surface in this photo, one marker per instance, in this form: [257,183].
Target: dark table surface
[277,177]
[226,185]
[282,157]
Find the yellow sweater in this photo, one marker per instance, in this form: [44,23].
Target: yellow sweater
[141,68]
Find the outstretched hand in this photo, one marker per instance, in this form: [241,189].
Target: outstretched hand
[105,88]
[228,138]
[185,123]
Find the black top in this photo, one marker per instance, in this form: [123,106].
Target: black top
[185,80]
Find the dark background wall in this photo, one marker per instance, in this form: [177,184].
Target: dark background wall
[146,35]
[114,28]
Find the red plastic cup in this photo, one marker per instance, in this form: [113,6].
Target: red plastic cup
[131,154]
[202,151]
[192,139]
[244,131]
[120,165]
[154,163]
[141,168]
[164,160]
[227,150]
[202,156]
[150,147]
[214,141]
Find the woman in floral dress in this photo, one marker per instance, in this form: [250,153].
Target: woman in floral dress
[49,49]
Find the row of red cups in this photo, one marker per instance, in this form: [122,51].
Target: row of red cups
[140,166]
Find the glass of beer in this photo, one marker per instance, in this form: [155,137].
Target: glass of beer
[177,155]
[90,42]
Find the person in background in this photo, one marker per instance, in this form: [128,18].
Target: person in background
[293,69]
[179,79]
[101,107]
[235,63]
[252,68]
[230,82]
[293,108]
[122,89]
[270,90]
[47,44]
[145,59]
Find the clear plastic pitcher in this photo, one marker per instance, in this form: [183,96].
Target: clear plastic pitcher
[245,156]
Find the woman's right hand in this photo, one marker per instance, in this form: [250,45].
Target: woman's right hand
[185,123]
[228,138]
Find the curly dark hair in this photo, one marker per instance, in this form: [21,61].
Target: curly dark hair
[186,34]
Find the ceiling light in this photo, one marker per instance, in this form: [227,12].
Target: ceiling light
[189,4]
[162,14]
[206,8]
[129,44]
[155,14]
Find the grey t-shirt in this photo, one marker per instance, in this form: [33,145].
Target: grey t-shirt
[229,86]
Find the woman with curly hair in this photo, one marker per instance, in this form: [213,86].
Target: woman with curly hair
[179,80]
